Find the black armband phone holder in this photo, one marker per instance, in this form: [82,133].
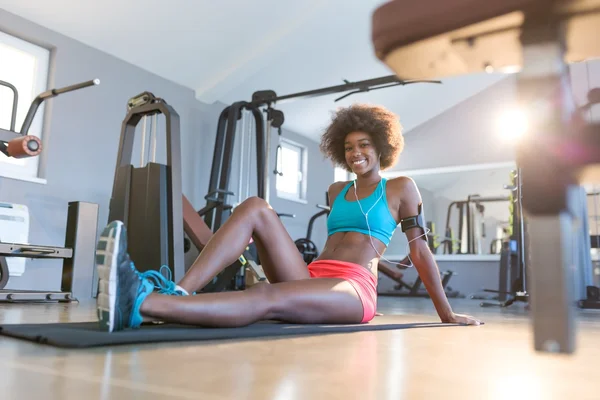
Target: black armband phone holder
[414,222]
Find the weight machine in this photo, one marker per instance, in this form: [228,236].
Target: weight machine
[148,198]
[78,253]
[404,289]
[589,281]
[415,289]
[470,224]
[512,276]
[540,38]
[218,208]
[305,245]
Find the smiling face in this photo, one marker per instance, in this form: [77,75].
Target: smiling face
[361,154]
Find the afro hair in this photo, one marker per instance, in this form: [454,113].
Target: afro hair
[378,122]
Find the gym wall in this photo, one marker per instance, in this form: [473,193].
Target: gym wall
[462,135]
[81,135]
[467,133]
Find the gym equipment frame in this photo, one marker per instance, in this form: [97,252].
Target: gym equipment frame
[148,199]
[464,210]
[217,209]
[20,144]
[78,257]
[218,189]
[540,37]
[214,212]
[305,245]
[78,253]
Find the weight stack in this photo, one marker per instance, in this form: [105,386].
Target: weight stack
[145,213]
[148,199]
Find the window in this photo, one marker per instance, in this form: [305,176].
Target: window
[25,66]
[340,174]
[291,184]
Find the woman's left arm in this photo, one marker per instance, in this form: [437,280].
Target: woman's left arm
[423,259]
[428,271]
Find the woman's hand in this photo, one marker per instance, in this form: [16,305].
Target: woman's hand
[462,319]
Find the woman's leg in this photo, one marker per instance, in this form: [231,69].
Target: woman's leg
[254,218]
[308,301]
[125,296]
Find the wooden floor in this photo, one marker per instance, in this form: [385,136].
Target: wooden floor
[494,361]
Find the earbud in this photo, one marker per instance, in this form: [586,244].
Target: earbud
[369,228]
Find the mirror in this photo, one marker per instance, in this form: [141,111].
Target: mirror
[467,208]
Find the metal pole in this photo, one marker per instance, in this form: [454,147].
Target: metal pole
[153,137]
[269,97]
[249,153]
[143,155]
[13,113]
[266,175]
[47,95]
[242,126]
[260,152]
[548,190]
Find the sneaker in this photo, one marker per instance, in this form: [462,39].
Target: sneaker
[121,288]
[164,284]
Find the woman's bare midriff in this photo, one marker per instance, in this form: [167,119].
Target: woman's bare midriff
[353,247]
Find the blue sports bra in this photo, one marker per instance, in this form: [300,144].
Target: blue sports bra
[346,216]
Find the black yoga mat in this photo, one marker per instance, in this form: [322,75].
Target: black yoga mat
[88,334]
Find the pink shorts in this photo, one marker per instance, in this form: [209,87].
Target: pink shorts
[363,281]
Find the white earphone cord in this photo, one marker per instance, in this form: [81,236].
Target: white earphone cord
[369,228]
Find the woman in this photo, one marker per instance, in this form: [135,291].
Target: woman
[338,287]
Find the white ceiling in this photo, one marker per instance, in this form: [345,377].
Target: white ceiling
[225,50]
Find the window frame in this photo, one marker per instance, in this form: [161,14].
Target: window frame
[301,197]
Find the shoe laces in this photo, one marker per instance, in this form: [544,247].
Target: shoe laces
[162,284]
